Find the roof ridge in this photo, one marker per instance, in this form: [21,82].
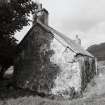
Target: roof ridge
[63,39]
[78,49]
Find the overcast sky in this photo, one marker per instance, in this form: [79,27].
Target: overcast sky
[83,17]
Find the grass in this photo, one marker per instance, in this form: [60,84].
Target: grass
[93,95]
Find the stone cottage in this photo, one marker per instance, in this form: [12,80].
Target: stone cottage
[50,62]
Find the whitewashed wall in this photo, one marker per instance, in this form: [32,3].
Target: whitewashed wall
[69,76]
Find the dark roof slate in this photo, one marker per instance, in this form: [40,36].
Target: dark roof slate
[64,40]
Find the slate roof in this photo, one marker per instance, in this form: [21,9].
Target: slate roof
[64,40]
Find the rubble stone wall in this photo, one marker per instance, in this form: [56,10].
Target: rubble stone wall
[33,69]
[88,70]
[69,75]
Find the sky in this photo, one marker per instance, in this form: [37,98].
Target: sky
[83,17]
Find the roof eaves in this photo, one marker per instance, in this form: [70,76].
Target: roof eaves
[69,43]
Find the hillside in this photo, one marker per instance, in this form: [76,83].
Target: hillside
[98,51]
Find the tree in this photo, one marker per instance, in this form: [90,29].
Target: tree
[13,16]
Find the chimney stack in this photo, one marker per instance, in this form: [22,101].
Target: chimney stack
[78,40]
[41,14]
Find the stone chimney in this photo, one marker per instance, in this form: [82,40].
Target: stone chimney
[41,14]
[77,40]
